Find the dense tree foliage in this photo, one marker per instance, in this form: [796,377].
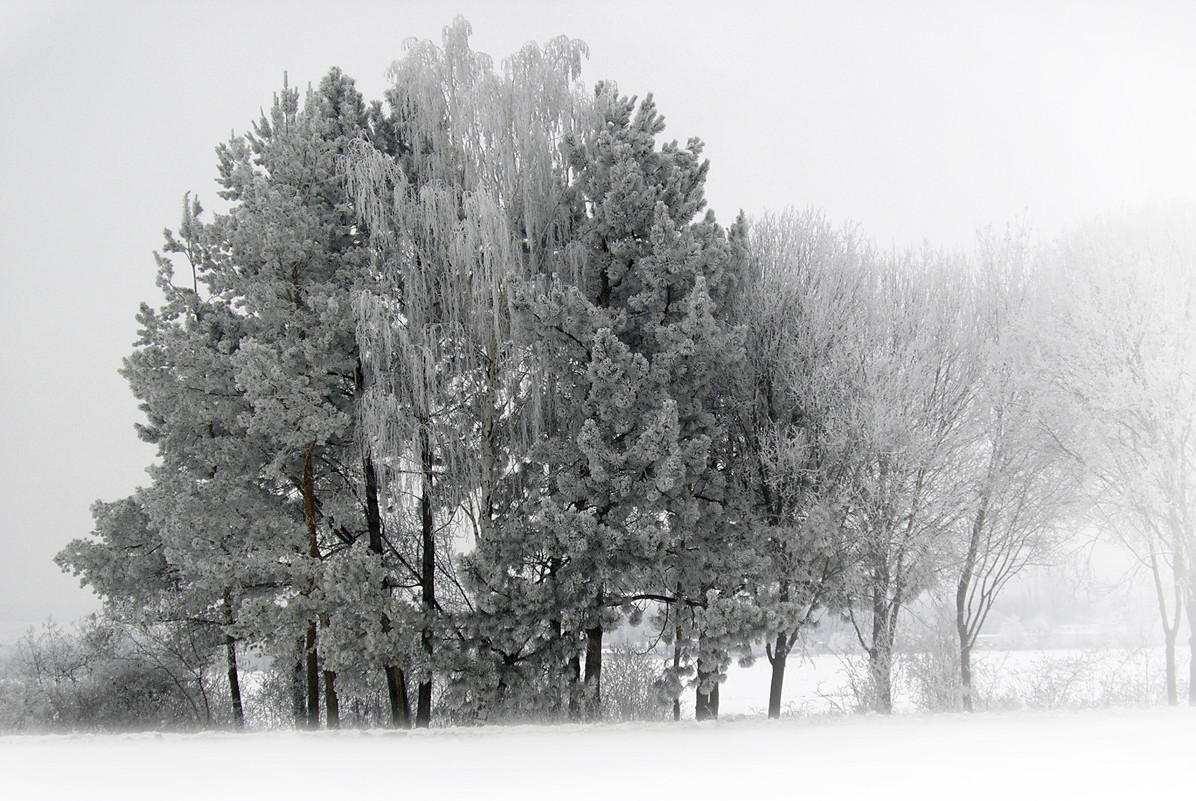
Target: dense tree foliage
[460,384]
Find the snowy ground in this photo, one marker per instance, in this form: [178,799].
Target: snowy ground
[1004,680]
[1105,754]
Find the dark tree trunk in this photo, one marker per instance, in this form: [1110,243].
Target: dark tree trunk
[423,714]
[332,705]
[396,686]
[706,704]
[593,684]
[313,659]
[230,653]
[312,670]
[234,682]
[677,671]
[778,654]
[400,707]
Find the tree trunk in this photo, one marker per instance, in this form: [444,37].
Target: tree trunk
[777,657]
[230,653]
[880,655]
[423,714]
[1170,621]
[962,591]
[400,707]
[572,674]
[313,544]
[705,703]
[965,644]
[677,672]
[1169,638]
[234,682]
[965,676]
[396,686]
[593,682]
[332,705]
[313,677]
[880,665]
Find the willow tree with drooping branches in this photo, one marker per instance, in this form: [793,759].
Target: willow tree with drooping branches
[475,206]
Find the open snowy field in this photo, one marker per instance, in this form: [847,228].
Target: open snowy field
[1004,680]
[1102,754]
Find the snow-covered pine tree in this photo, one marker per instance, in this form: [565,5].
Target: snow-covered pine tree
[249,377]
[205,511]
[292,258]
[631,491]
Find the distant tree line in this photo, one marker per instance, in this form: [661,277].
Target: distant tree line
[460,383]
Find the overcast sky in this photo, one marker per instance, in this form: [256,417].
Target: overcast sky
[916,120]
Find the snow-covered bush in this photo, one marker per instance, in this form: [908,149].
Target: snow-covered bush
[631,681]
[107,676]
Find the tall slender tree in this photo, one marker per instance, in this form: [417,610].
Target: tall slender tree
[476,206]
[633,484]
[801,307]
[1123,357]
[915,379]
[1021,484]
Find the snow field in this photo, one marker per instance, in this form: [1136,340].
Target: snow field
[1091,755]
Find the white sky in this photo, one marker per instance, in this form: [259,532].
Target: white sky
[917,120]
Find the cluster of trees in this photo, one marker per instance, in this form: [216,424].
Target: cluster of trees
[460,384]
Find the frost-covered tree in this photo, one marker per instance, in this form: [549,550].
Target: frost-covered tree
[1122,352]
[801,308]
[1021,484]
[473,209]
[630,486]
[249,378]
[291,258]
[164,553]
[912,386]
